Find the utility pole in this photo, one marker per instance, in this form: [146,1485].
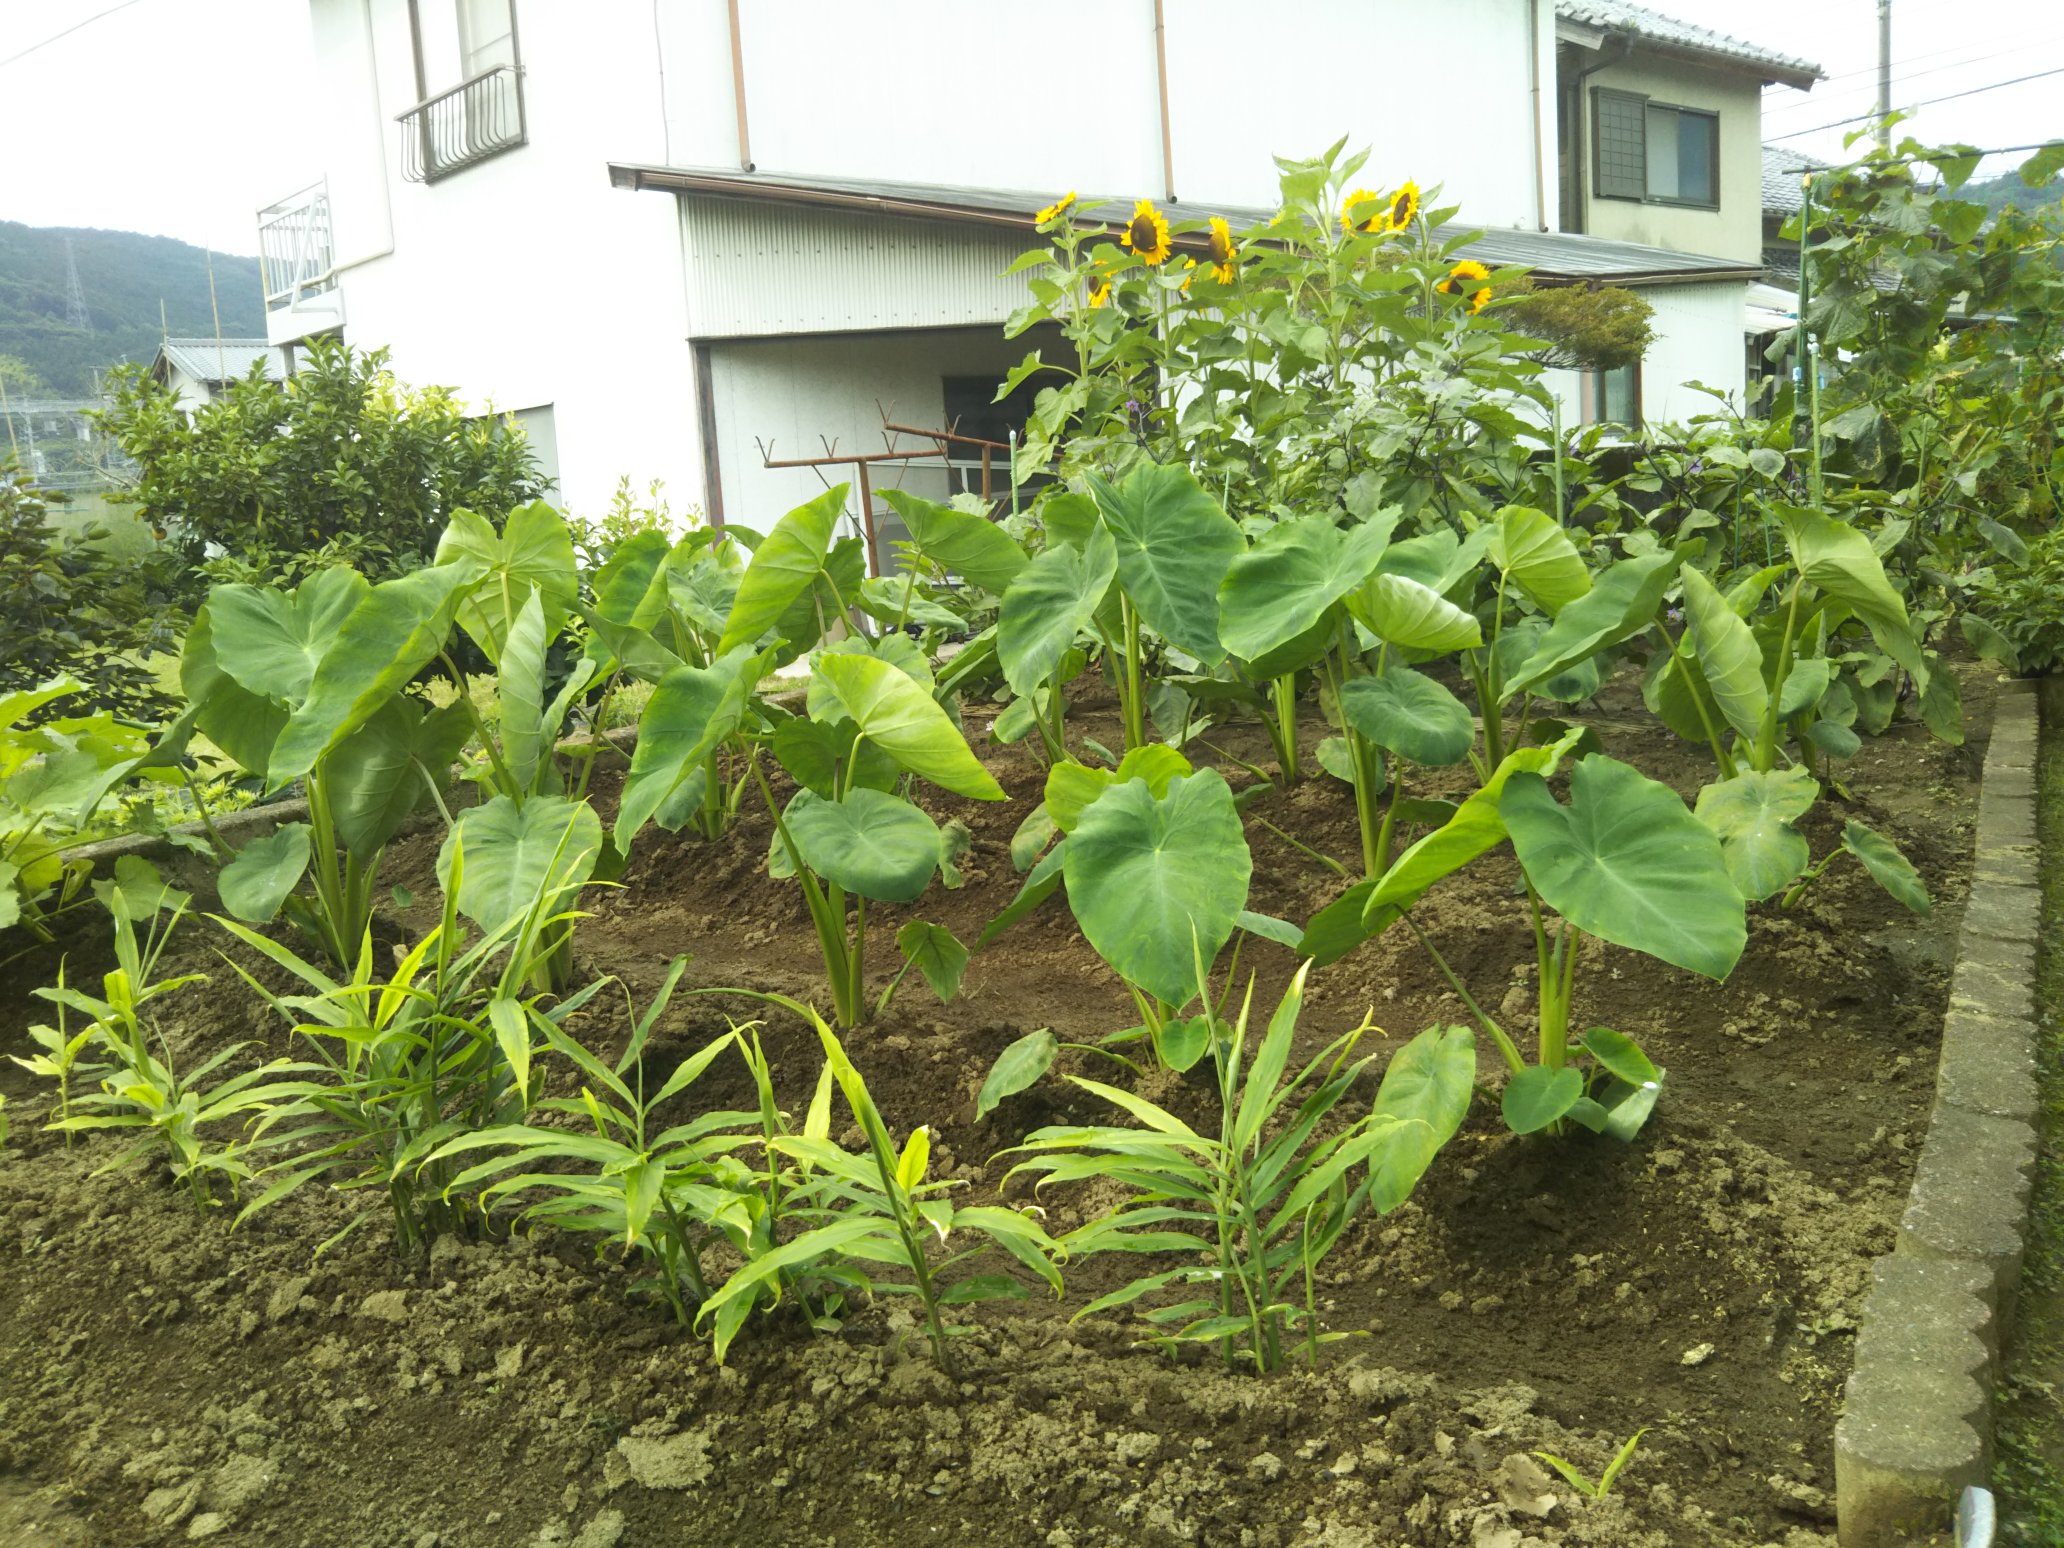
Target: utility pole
[1884,74]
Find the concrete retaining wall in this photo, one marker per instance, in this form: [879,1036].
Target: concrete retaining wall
[1916,1423]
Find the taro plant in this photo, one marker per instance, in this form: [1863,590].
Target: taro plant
[141,1087]
[1156,867]
[309,685]
[882,1207]
[1255,1207]
[1624,862]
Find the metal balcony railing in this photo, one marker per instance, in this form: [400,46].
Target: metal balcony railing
[295,255]
[476,119]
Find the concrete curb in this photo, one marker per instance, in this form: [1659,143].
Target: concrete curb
[1916,1423]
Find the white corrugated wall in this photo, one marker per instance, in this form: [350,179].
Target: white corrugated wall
[758,270]
[1698,337]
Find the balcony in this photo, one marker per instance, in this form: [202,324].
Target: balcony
[297,262]
[476,119]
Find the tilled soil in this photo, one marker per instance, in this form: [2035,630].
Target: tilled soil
[164,1377]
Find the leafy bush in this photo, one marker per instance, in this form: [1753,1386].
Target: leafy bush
[72,607]
[339,464]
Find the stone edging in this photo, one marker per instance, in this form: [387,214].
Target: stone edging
[1916,1423]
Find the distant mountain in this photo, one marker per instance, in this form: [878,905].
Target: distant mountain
[122,277]
[1999,192]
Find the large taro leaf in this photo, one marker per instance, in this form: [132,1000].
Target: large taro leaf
[1620,606]
[1285,584]
[238,721]
[1537,556]
[398,627]
[1627,862]
[870,843]
[1840,560]
[270,640]
[1071,787]
[1892,870]
[691,711]
[1727,655]
[1411,714]
[1174,544]
[782,569]
[630,585]
[1156,884]
[832,590]
[532,552]
[1411,615]
[382,772]
[1053,599]
[1437,560]
[972,547]
[254,884]
[897,715]
[519,857]
[1752,815]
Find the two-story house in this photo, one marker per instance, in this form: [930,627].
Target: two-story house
[1660,142]
[692,239]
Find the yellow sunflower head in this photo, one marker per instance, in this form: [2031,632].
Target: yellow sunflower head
[1465,273]
[1363,210]
[1057,209]
[1099,292]
[1404,206]
[1147,233]
[1480,300]
[1224,255]
[1189,273]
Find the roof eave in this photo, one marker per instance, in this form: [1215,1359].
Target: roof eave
[1584,35]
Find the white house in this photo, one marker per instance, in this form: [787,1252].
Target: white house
[687,239]
[199,370]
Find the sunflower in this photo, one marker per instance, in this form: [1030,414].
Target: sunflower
[1189,273]
[1480,300]
[1363,211]
[1055,210]
[1224,256]
[1147,233]
[1468,271]
[1099,292]
[1404,206]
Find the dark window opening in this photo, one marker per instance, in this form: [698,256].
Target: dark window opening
[1654,152]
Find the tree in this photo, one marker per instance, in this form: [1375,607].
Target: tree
[338,464]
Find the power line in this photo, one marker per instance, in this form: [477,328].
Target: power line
[1858,118]
[1933,53]
[75,26]
[1908,75]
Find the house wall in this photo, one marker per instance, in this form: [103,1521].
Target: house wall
[1698,337]
[1063,95]
[1735,230]
[527,279]
[791,395]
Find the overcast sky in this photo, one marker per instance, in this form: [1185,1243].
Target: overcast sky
[180,117]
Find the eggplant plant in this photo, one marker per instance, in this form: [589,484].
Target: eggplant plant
[1256,1207]
[1760,688]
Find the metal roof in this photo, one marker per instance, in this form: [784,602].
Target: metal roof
[217,360]
[1670,35]
[1550,254]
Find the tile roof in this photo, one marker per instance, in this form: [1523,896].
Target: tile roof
[1667,31]
[1781,169]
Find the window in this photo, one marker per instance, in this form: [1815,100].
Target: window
[1613,397]
[469,82]
[1654,152]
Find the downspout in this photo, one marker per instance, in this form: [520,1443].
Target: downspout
[745,160]
[1540,138]
[1161,70]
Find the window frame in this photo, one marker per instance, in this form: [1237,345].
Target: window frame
[1591,395]
[1647,103]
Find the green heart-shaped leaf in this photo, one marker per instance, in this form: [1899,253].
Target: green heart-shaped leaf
[1052,600]
[1157,883]
[520,858]
[1536,555]
[1410,714]
[788,559]
[1174,545]
[1627,862]
[1752,816]
[255,884]
[903,720]
[870,843]
[1413,616]
[1538,1096]
[1286,583]
[975,549]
